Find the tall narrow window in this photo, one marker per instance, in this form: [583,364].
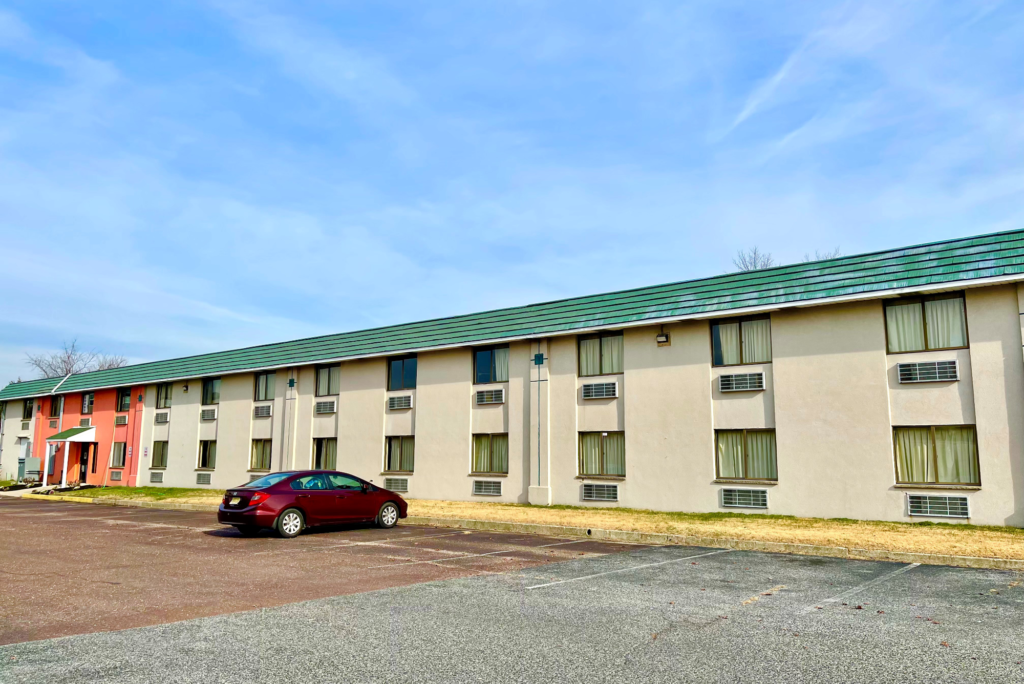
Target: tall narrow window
[207,454]
[600,354]
[56,406]
[937,455]
[603,453]
[88,399]
[163,395]
[400,454]
[211,391]
[260,459]
[747,340]
[491,365]
[264,387]
[926,323]
[325,454]
[124,399]
[159,455]
[402,373]
[117,460]
[328,380]
[746,454]
[490,454]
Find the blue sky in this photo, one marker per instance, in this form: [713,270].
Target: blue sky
[208,175]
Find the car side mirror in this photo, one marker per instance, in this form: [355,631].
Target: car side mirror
[366,488]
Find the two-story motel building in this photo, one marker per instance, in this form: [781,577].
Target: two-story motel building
[882,386]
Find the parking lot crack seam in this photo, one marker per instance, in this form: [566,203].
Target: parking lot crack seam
[861,587]
[637,567]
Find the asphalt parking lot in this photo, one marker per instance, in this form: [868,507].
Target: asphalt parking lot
[613,614]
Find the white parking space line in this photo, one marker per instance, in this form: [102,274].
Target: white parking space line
[861,587]
[476,555]
[636,567]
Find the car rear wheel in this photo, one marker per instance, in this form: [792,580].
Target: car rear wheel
[388,515]
[290,524]
[247,530]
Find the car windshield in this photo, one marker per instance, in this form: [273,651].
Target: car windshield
[265,481]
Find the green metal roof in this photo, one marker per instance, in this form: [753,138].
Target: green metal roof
[930,266]
[29,388]
[67,434]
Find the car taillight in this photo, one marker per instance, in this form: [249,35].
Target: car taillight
[227,497]
[258,498]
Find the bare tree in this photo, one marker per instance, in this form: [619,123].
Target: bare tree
[822,255]
[70,359]
[752,259]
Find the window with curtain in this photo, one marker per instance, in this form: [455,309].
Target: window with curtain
[328,381]
[603,453]
[211,391]
[490,365]
[117,459]
[746,454]
[56,406]
[402,373]
[124,399]
[207,454]
[260,457]
[325,453]
[88,399]
[400,454]
[600,354]
[159,455]
[926,323]
[264,386]
[748,340]
[163,395]
[946,454]
[490,454]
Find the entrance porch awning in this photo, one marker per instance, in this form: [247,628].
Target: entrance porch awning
[75,434]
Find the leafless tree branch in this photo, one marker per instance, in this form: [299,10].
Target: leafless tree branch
[752,259]
[70,359]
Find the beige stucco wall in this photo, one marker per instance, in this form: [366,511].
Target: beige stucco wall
[12,436]
[743,410]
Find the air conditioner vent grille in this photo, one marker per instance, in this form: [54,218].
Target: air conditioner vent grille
[208,414]
[162,418]
[600,492]
[741,382]
[85,422]
[115,475]
[263,411]
[401,402]
[495,396]
[53,424]
[933,506]
[326,406]
[601,390]
[929,371]
[156,477]
[120,420]
[26,424]
[745,498]
[486,488]
[255,476]
[397,484]
[203,478]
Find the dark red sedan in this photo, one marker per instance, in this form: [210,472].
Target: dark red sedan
[292,501]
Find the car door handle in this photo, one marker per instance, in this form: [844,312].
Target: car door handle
[302,496]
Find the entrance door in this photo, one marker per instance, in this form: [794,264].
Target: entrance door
[84,450]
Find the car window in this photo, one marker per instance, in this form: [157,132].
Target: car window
[309,482]
[339,481]
[265,481]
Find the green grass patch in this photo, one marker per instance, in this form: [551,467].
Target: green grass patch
[7,483]
[147,493]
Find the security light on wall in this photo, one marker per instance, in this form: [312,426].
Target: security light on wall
[184,388]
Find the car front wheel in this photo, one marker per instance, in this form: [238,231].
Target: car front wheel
[290,523]
[388,515]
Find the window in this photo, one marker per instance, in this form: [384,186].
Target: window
[207,454]
[27,408]
[260,454]
[400,453]
[926,323]
[490,453]
[56,406]
[163,395]
[325,453]
[936,455]
[491,365]
[308,482]
[211,391]
[117,460]
[339,481]
[159,455]
[264,390]
[266,481]
[601,354]
[88,399]
[124,399]
[328,380]
[746,454]
[748,340]
[603,453]
[402,373]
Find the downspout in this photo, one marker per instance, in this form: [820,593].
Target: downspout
[60,428]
